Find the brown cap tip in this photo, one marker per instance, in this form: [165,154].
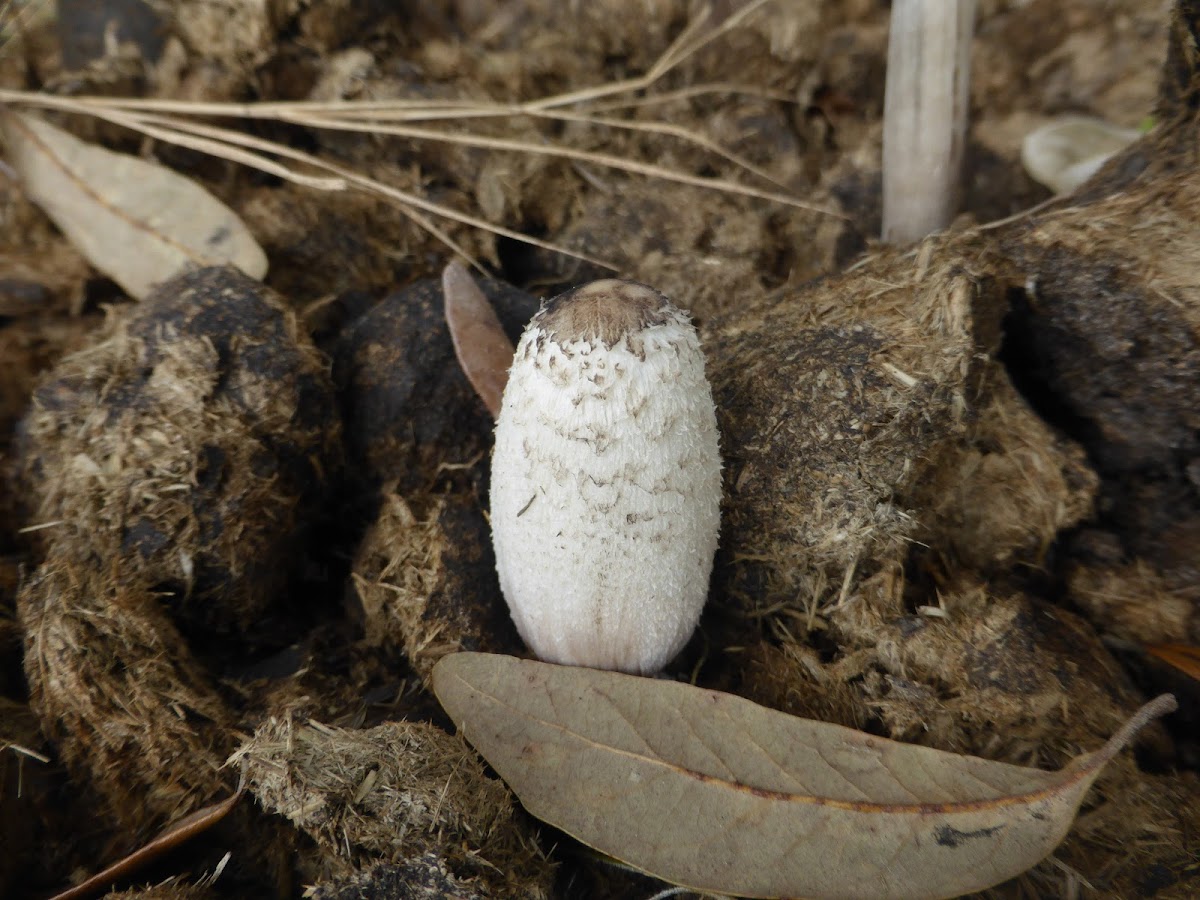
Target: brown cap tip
[606,310]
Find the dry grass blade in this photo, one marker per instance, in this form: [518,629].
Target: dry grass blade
[225,150]
[675,131]
[398,109]
[173,122]
[690,41]
[229,144]
[259,109]
[603,159]
[380,119]
[217,140]
[368,120]
[725,88]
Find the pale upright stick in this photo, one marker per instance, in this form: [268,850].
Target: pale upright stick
[925,115]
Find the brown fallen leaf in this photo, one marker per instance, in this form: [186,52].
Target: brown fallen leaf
[168,839]
[1184,657]
[136,221]
[483,349]
[713,792]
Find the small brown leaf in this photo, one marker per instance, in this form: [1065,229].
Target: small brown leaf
[168,839]
[136,221]
[1184,657]
[483,349]
[716,793]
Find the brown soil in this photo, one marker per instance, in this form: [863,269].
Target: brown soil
[962,479]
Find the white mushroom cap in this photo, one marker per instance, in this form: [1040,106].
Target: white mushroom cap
[606,480]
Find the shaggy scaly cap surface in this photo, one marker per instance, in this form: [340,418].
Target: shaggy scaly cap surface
[606,480]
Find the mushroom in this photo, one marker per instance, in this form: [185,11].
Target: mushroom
[606,480]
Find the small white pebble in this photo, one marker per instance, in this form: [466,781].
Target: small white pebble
[1069,150]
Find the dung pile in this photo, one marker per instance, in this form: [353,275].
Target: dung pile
[174,459]
[195,441]
[112,680]
[418,440]
[427,586]
[179,461]
[881,472]
[384,795]
[956,474]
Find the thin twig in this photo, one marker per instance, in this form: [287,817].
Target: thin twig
[174,121]
[369,120]
[603,159]
[724,88]
[302,114]
[352,118]
[175,131]
[683,47]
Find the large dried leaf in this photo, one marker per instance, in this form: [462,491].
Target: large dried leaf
[714,792]
[136,221]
